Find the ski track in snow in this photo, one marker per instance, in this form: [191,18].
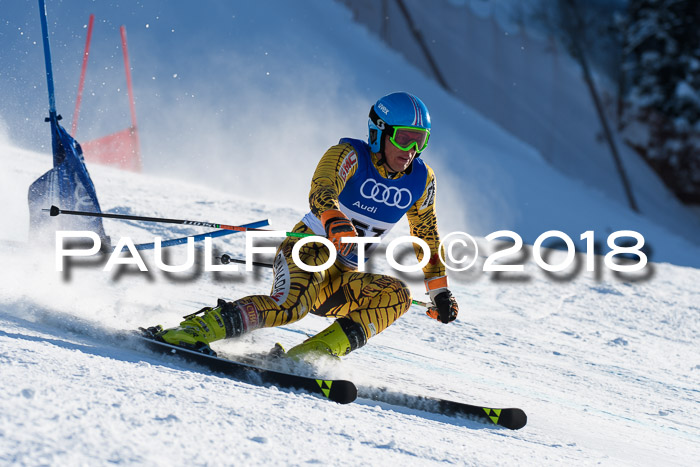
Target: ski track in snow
[607,370]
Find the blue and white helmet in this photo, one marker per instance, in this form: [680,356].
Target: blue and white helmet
[396,109]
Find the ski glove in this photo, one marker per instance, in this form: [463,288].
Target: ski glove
[337,226]
[445,307]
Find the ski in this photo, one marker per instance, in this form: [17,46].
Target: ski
[336,390]
[340,391]
[511,418]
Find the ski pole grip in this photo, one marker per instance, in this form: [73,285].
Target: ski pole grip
[300,234]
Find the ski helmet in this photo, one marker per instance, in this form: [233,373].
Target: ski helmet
[399,109]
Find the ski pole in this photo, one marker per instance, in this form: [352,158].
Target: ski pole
[55,211]
[226,259]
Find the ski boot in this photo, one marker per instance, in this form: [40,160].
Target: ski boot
[205,326]
[340,338]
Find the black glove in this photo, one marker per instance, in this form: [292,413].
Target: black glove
[445,307]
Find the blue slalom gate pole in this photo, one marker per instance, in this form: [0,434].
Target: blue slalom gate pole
[68,182]
[47,60]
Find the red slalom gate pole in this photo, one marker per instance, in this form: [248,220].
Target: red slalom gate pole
[132,106]
[74,124]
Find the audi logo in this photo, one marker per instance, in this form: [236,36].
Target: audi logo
[391,196]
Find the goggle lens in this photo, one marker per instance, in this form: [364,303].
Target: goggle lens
[405,138]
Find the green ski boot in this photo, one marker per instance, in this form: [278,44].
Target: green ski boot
[208,325]
[340,338]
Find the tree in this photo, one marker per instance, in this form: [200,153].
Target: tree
[661,41]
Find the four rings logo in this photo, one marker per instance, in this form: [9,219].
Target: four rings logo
[391,196]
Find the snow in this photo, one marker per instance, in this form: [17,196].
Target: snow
[605,365]
[685,90]
[526,84]
[606,369]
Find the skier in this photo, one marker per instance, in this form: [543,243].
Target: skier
[358,189]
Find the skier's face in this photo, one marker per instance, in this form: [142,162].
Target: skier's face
[396,159]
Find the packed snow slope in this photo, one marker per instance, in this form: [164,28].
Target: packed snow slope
[246,97]
[606,368]
[236,104]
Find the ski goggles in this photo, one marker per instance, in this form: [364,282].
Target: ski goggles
[406,137]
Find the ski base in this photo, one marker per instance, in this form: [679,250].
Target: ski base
[336,390]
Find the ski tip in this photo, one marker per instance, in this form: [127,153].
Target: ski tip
[513,419]
[340,391]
